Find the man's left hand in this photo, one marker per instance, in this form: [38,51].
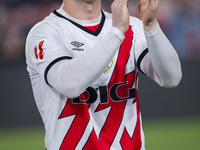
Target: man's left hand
[148,10]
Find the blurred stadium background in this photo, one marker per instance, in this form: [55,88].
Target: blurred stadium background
[171,117]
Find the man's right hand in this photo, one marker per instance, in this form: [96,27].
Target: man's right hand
[120,15]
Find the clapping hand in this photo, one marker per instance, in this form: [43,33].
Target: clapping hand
[148,10]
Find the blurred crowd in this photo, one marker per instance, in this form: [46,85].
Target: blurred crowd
[179,19]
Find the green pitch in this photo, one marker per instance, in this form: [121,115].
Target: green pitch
[172,135]
[159,135]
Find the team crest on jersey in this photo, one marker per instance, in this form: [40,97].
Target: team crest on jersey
[77,46]
[39,52]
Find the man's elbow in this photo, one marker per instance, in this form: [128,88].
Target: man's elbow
[173,81]
[72,92]
[69,89]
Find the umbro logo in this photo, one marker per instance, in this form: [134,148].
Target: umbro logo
[77,46]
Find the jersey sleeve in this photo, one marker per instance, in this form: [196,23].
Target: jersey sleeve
[140,43]
[159,61]
[44,46]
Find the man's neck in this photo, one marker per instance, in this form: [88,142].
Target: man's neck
[83,9]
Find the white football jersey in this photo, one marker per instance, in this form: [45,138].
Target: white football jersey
[107,115]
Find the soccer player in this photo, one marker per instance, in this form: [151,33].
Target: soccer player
[83,64]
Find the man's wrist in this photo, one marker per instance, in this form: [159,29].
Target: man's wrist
[153,32]
[150,26]
[117,32]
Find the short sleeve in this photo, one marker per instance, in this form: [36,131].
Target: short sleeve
[44,46]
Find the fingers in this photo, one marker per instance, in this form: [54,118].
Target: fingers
[148,13]
[149,2]
[120,14]
[154,3]
[118,3]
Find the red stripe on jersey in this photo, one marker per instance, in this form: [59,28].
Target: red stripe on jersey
[116,113]
[78,125]
[134,142]
[93,142]
[93,28]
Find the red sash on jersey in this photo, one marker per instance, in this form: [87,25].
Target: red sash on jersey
[114,119]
